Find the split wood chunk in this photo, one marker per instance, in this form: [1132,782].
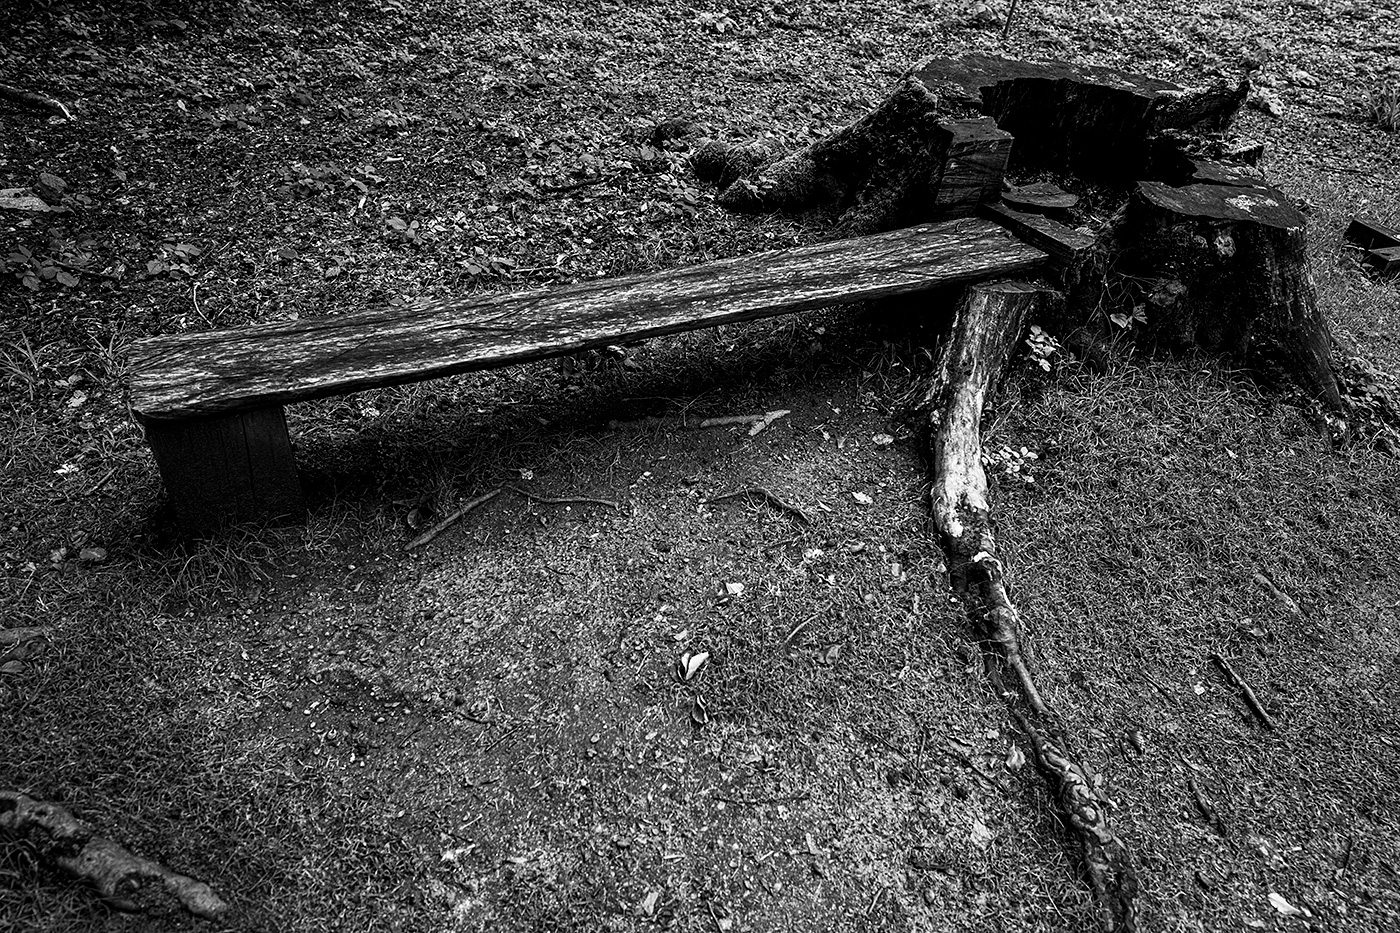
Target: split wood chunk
[1386,261]
[1067,247]
[1230,274]
[1369,234]
[127,881]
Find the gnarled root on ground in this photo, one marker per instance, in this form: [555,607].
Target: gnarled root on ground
[127,881]
[986,326]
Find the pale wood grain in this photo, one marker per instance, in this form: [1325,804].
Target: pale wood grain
[214,372]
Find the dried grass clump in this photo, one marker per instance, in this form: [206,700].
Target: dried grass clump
[1383,106]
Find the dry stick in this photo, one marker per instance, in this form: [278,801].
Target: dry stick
[768,419]
[121,877]
[566,500]
[767,496]
[1203,804]
[1010,16]
[976,769]
[447,522]
[1253,701]
[724,421]
[986,326]
[33,100]
[1284,599]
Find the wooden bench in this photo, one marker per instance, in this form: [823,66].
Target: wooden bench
[212,402]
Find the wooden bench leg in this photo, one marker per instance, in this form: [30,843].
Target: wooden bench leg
[228,469]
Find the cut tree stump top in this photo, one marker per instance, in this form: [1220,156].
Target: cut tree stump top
[216,372]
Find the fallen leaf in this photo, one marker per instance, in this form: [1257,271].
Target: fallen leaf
[691,663]
[862,498]
[734,589]
[882,440]
[648,903]
[981,835]
[1280,903]
[1015,759]
[699,712]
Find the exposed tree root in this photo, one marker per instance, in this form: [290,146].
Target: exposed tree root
[34,101]
[986,327]
[127,881]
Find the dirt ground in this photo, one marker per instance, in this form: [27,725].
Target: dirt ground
[491,732]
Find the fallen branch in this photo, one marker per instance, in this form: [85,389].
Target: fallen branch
[986,326]
[450,520]
[34,101]
[127,881]
[759,492]
[1253,701]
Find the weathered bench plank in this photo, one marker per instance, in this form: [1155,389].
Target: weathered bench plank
[212,401]
[222,371]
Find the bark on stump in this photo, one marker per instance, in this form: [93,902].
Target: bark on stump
[1227,266]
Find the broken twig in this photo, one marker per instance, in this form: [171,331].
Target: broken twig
[1284,599]
[1255,706]
[1204,805]
[766,495]
[450,520]
[767,420]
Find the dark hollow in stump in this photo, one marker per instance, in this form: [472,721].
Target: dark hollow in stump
[986,327]
[1225,252]
[1101,124]
[930,152]
[1228,272]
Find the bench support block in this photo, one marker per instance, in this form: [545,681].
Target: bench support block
[228,469]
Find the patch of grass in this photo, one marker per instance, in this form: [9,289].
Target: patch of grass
[1383,106]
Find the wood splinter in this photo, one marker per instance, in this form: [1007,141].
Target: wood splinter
[1240,684]
[127,881]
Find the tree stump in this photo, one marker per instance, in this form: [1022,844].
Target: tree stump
[1206,253]
[1227,271]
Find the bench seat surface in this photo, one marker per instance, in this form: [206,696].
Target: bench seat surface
[221,371]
